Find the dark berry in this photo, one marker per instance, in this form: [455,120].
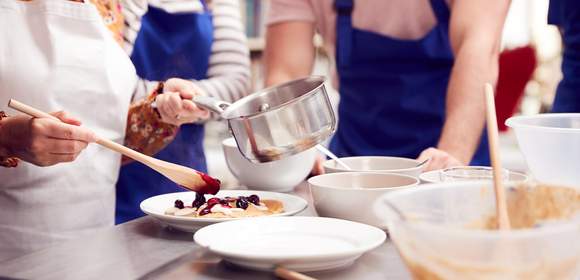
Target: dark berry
[254,199]
[224,203]
[205,211]
[179,204]
[199,200]
[213,201]
[242,202]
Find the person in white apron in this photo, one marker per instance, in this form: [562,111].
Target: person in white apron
[58,54]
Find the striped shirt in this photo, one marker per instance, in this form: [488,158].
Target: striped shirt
[228,75]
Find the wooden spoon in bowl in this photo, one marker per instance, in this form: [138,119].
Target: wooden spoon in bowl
[492,134]
[186,177]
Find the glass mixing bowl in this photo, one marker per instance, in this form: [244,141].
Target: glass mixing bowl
[434,229]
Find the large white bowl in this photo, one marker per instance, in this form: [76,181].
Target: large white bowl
[551,145]
[432,228]
[379,164]
[280,175]
[155,206]
[351,195]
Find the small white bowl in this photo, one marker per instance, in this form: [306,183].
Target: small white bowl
[398,165]
[351,195]
[280,175]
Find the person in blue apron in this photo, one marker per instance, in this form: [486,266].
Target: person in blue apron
[566,15]
[393,91]
[168,45]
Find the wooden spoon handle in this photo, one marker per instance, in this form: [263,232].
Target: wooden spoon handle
[492,134]
[19,106]
[287,274]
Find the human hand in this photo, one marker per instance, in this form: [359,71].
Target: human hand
[44,141]
[439,159]
[317,168]
[175,105]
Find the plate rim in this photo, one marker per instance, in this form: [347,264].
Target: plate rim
[164,217]
[355,252]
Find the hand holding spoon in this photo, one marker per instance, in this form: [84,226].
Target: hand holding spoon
[184,176]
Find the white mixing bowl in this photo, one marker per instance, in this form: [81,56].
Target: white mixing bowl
[551,145]
[280,175]
[351,195]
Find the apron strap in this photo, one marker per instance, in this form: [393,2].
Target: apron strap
[204,4]
[343,31]
[555,12]
[441,11]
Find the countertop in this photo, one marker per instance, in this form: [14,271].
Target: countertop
[143,248]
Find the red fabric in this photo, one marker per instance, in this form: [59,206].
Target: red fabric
[516,68]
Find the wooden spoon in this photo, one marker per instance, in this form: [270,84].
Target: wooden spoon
[492,134]
[288,274]
[184,176]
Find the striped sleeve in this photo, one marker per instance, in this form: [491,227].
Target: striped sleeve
[228,75]
[229,63]
[132,11]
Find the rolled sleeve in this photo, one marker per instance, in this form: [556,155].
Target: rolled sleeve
[290,10]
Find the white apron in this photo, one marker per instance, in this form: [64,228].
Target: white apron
[58,55]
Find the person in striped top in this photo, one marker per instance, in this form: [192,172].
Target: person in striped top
[197,40]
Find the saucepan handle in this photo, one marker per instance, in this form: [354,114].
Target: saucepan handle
[212,104]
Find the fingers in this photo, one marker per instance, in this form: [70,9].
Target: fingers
[58,130]
[186,89]
[175,110]
[194,110]
[52,142]
[439,159]
[52,159]
[64,117]
[174,102]
[318,168]
[58,146]
[167,111]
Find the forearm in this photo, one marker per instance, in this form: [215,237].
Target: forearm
[465,113]
[475,35]
[228,74]
[289,52]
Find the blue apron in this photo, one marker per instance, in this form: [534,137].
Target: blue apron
[392,91]
[168,45]
[566,14]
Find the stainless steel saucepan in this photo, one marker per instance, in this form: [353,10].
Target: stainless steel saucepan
[279,121]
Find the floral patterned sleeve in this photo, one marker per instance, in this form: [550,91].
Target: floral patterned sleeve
[146,133]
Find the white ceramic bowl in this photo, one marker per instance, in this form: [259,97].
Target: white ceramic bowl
[436,241]
[351,195]
[280,175]
[399,165]
[155,206]
[551,145]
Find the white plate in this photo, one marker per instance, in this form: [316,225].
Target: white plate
[156,206]
[434,176]
[297,243]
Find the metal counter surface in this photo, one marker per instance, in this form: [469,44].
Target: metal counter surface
[143,248]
